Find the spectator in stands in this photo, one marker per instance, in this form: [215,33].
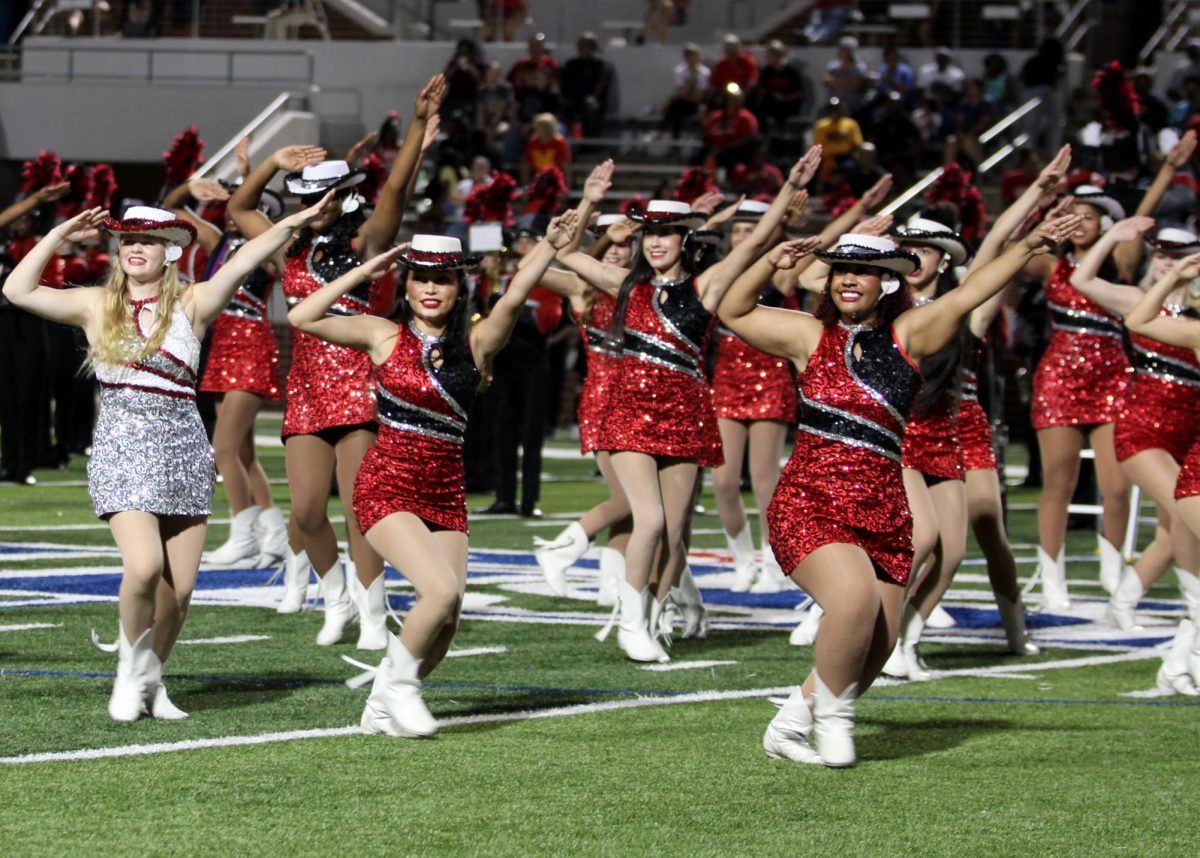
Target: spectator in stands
[495,106]
[998,83]
[481,173]
[736,66]
[546,147]
[898,139]
[538,94]
[757,177]
[1020,177]
[660,15]
[827,19]
[941,73]
[779,93]
[967,119]
[139,20]
[1188,104]
[1190,67]
[693,85]
[587,87]
[863,169]
[463,75]
[895,75]
[1042,76]
[502,17]
[846,76]
[730,130]
[538,57]
[1154,111]
[838,135]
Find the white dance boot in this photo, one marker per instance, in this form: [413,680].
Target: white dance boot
[395,707]
[371,603]
[939,618]
[771,578]
[272,538]
[745,571]
[154,693]
[1189,585]
[691,604]
[662,619]
[1112,565]
[339,607]
[556,556]
[805,634]
[612,572]
[242,543]
[1125,598]
[910,637]
[128,694]
[1012,620]
[1174,676]
[833,723]
[1053,572]
[297,572]
[633,631]
[787,735]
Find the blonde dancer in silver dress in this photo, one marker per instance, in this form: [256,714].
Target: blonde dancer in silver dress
[151,474]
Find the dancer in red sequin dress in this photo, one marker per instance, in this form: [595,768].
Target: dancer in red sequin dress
[661,423]
[410,492]
[1178,330]
[242,371]
[330,410]
[839,519]
[1079,382]
[1160,415]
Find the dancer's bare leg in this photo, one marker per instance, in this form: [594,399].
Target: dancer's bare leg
[350,450]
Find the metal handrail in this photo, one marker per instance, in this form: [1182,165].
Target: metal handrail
[1157,37]
[247,130]
[1004,123]
[1068,20]
[1001,153]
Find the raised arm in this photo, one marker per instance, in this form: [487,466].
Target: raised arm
[1145,318]
[243,205]
[1011,219]
[490,334]
[202,190]
[1115,297]
[68,306]
[381,227]
[1128,257]
[210,297]
[783,333]
[714,282]
[365,333]
[20,208]
[601,275]
[926,329]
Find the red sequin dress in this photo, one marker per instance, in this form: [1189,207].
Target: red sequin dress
[328,386]
[842,483]
[416,464]
[661,403]
[1082,375]
[753,385]
[1162,405]
[602,365]
[974,428]
[244,354]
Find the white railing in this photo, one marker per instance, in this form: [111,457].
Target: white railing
[277,106]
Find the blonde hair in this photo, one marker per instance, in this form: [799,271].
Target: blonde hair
[1191,290]
[118,342]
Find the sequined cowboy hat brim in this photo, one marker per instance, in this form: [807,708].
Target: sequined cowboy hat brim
[296,184]
[948,242]
[685,220]
[902,262]
[425,260]
[178,232]
[1182,248]
[1104,203]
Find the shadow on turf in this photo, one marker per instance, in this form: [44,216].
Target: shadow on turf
[897,740]
[235,692]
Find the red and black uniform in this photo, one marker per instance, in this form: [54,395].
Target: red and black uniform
[974,428]
[749,384]
[328,387]
[842,483]
[416,465]
[1081,378]
[661,403]
[1162,405]
[243,354]
[602,367]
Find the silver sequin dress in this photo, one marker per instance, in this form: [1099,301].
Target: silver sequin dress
[149,448]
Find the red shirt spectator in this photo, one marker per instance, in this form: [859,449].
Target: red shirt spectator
[537,58]
[723,130]
[737,66]
[546,147]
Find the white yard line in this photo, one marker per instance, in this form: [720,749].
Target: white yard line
[684,665]
[231,639]
[477,650]
[24,627]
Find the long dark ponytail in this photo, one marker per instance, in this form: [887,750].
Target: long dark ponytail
[941,372]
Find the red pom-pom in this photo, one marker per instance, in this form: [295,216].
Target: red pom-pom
[694,182]
[633,205]
[376,178]
[104,185]
[81,181]
[1116,95]
[183,157]
[838,199]
[954,187]
[1084,177]
[546,194]
[491,200]
[42,171]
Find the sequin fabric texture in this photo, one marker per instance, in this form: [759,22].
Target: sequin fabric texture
[149,448]
[416,465]
[661,403]
[1188,483]
[244,354]
[602,365]
[842,482]
[327,385]
[1161,409]
[974,428]
[1081,377]
[749,384]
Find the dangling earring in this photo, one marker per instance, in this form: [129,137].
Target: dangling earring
[889,283]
